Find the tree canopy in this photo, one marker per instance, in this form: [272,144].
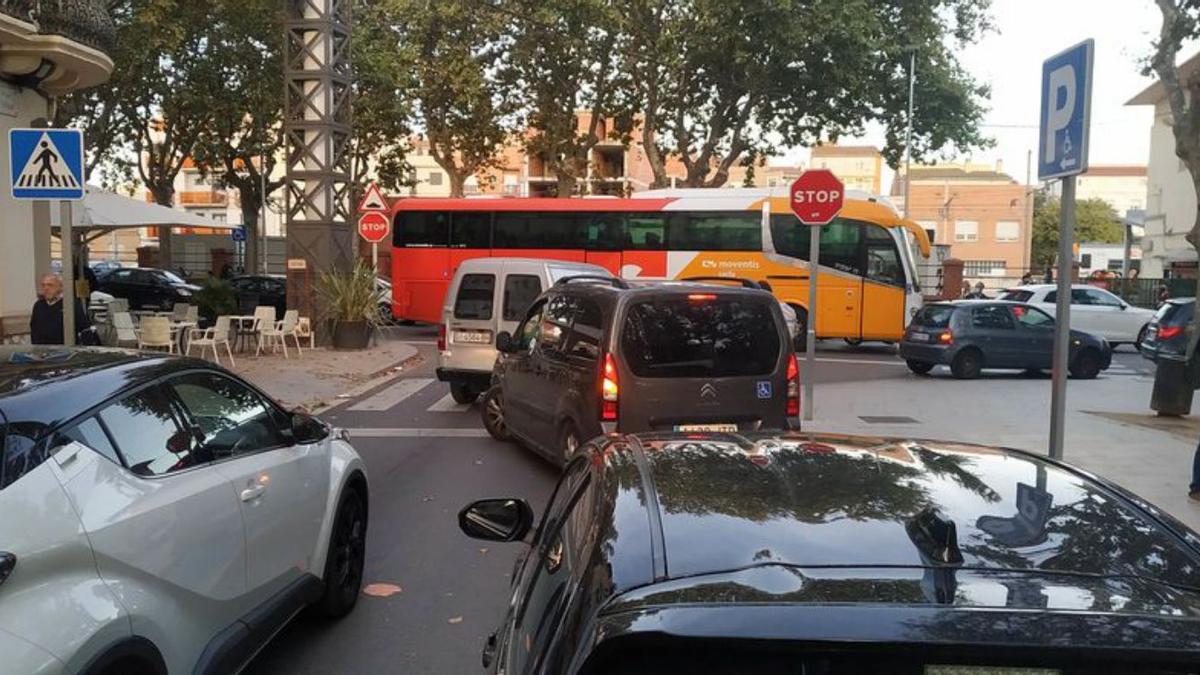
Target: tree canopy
[1095,222]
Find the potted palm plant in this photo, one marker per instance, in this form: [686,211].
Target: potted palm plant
[350,305]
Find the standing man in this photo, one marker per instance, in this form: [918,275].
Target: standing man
[46,321]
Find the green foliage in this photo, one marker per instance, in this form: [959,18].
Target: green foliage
[349,295]
[1095,222]
[215,298]
[382,97]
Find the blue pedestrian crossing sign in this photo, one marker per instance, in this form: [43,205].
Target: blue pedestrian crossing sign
[1066,112]
[46,163]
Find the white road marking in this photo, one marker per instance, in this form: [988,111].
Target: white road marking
[393,395]
[447,404]
[416,433]
[874,362]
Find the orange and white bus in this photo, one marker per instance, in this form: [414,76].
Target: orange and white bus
[867,283]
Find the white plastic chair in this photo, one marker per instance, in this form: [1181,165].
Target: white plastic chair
[213,337]
[278,333]
[156,334]
[122,324]
[264,319]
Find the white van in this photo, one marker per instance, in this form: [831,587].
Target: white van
[489,295]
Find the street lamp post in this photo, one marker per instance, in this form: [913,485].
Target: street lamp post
[912,79]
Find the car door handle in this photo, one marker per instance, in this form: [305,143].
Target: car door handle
[252,493]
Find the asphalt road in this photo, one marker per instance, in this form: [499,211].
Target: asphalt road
[426,458]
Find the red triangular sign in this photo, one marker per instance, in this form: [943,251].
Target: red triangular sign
[373,200]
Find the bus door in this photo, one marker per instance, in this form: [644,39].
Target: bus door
[884,286]
[839,287]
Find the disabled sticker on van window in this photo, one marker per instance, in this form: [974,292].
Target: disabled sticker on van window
[764,389]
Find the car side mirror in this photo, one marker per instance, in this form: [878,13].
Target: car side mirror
[307,429]
[1124,307]
[504,342]
[180,442]
[496,519]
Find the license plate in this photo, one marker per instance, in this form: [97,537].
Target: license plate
[919,337]
[472,337]
[706,427]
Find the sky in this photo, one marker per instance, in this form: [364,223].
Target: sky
[1010,60]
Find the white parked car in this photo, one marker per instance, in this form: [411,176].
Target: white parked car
[161,516]
[1093,310]
[486,296]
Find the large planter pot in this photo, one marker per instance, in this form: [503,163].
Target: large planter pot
[351,334]
[1173,388]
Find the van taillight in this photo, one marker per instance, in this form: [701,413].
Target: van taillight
[441,337]
[946,338]
[793,386]
[609,391]
[1168,332]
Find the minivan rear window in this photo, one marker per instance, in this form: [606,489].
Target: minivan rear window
[1175,313]
[1017,296]
[934,316]
[709,337]
[475,293]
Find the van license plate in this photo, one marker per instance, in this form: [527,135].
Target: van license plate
[919,337]
[472,337]
[706,427]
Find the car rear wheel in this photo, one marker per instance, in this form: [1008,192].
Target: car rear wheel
[1086,365]
[493,414]
[919,367]
[853,342]
[463,393]
[967,365]
[568,440]
[347,552]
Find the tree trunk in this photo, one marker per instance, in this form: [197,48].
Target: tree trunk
[164,195]
[458,182]
[1193,238]
[565,187]
[250,215]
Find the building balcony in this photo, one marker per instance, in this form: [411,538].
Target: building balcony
[203,198]
[56,46]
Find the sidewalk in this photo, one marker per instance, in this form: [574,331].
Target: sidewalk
[1110,429]
[320,375]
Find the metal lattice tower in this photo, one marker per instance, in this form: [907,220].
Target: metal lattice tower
[317,128]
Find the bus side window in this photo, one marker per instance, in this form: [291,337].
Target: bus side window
[422,229]
[790,237]
[883,258]
[602,231]
[842,246]
[646,232]
[471,229]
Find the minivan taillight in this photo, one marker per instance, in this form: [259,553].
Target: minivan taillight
[946,338]
[441,337]
[609,390]
[793,386]
[1168,332]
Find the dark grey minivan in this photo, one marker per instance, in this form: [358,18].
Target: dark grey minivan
[597,355]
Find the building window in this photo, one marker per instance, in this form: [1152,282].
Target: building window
[966,230]
[435,177]
[1008,230]
[1085,260]
[984,268]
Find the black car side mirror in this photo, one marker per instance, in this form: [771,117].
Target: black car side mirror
[504,342]
[307,429]
[496,519]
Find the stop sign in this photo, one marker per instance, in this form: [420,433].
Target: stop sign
[816,197]
[374,226]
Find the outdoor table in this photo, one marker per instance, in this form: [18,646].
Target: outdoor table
[240,324]
[182,329]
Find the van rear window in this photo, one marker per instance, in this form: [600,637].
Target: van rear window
[475,293]
[705,337]
[1016,295]
[934,316]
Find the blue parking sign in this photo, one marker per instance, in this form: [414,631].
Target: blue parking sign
[46,163]
[1065,117]
[239,234]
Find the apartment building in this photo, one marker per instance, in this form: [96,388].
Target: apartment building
[858,166]
[1123,186]
[1170,192]
[982,213]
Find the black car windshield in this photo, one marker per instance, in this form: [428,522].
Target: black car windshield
[700,335]
[934,316]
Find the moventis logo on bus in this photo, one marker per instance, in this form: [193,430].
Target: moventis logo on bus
[816,197]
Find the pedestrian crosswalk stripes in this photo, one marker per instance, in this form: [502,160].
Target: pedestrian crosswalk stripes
[448,404]
[392,396]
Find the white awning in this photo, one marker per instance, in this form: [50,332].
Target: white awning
[104,210]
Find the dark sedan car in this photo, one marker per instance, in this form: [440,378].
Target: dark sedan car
[147,288]
[1166,336]
[971,335]
[716,554]
[252,291]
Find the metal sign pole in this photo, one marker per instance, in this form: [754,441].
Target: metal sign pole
[1062,323]
[375,257]
[810,360]
[68,272]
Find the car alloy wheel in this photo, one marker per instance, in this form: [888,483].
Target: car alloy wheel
[967,365]
[463,393]
[1086,366]
[493,415]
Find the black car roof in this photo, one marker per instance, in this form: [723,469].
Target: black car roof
[728,502]
[45,386]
